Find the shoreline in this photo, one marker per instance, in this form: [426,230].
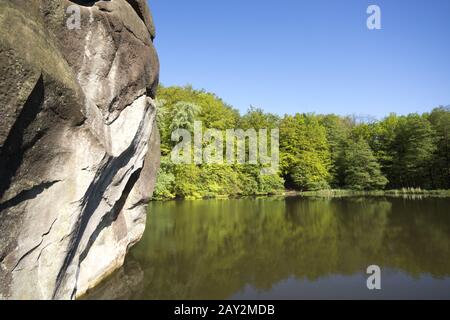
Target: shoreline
[330,193]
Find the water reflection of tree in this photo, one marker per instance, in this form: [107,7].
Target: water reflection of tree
[212,249]
[125,283]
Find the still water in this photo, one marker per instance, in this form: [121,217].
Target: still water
[288,248]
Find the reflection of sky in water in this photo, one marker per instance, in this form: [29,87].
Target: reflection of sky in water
[394,285]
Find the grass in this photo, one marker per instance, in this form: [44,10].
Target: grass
[404,192]
[414,193]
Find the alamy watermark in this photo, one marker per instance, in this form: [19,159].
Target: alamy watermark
[209,146]
[374,280]
[374,19]
[73,21]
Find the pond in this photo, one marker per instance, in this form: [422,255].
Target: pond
[288,248]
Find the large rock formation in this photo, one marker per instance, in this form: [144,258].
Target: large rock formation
[79,148]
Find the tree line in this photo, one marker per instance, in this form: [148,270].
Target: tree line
[317,152]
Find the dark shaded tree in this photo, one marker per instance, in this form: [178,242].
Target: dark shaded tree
[361,168]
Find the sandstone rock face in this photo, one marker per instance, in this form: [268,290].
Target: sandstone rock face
[79,147]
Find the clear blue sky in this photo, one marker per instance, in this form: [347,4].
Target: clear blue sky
[290,56]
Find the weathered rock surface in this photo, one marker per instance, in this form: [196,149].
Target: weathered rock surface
[79,147]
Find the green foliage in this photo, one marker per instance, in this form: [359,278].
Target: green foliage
[382,142]
[271,184]
[361,169]
[183,116]
[179,108]
[412,152]
[213,111]
[338,132]
[190,181]
[304,152]
[165,183]
[440,122]
[256,118]
[309,172]
[316,151]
